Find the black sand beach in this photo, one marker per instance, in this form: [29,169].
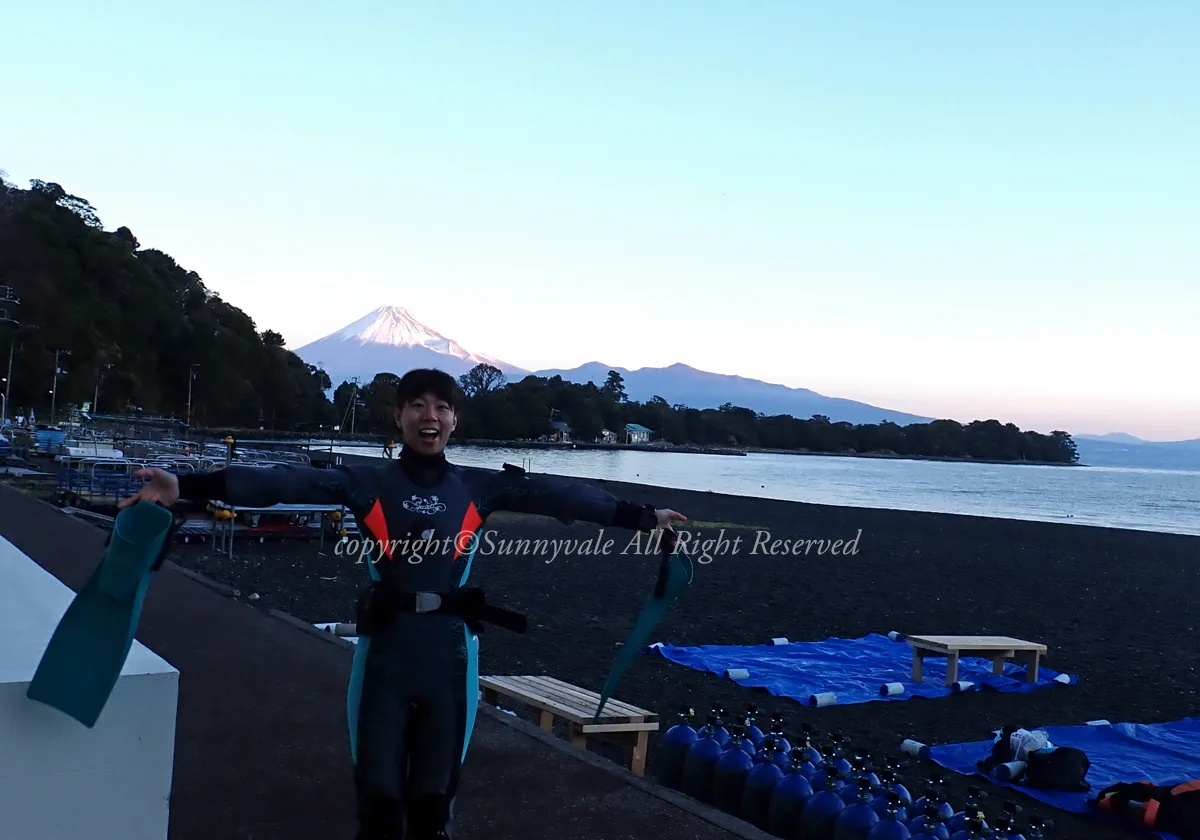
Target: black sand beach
[1115,607]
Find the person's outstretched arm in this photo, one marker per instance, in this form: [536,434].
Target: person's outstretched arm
[249,486]
[517,491]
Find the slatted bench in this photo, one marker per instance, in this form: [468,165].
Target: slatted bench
[556,699]
[996,648]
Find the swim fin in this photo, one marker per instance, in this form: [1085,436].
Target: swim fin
[674,576]
[84,658]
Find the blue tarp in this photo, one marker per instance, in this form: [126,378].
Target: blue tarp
[854,669]
[1160,753]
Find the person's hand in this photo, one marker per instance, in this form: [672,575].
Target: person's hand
[163,487]
[667,516]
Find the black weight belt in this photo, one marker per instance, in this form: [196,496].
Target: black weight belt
[380,602]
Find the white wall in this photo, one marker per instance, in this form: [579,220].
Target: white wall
[60,780]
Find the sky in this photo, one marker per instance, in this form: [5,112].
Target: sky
[957,210]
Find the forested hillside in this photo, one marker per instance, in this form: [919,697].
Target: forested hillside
[138,324]
[135,321]
[499,410]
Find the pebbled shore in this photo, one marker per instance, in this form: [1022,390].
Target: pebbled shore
[1115,607]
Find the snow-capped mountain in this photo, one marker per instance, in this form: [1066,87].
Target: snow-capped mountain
[390,340]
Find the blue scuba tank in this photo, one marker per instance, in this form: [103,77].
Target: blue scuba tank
[958,822]
[1006,823]
[752,732]
[672,750]
[729,777]
[813,755]
[844,767]
[857,818]
[783,745]
[788,800]
[890,826]
[760,786]
[716,725]
[823,808]
[860,780]
[932,785]
[929,824]
[699,764]
[890,783]
[974,827]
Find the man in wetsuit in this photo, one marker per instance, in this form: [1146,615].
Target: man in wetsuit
[414,687]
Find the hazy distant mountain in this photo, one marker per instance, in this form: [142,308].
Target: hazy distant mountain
[1123,438]
[681,384]
[389,339]
[1102,451]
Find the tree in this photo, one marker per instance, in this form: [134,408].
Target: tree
[614,387]
[481,379]
[272,339]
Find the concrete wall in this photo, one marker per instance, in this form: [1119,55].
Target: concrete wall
[60,780]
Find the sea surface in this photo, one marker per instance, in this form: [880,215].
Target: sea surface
[1166,500]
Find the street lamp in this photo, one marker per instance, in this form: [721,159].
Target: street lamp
[99,375]
[54,390]
[191,378]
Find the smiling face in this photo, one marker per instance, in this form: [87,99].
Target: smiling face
[426,423]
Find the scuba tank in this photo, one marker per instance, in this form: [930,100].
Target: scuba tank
[944,810]
[672,750]
[699,763]
[784,746]
[862,779]
[974,828]
[745,741]
[958,822]
[891,826]
[890,784]
[857,818]
[1006,824]
[760,785]
[813,755]
[822,810]
[1037,828]
[729,775]
[844,768]
[716,725]
[809,756]
[789,798]
[752,732]
[929,824]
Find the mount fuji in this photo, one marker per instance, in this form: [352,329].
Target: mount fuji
[391,340]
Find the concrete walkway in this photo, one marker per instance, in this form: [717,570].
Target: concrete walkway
[261,747]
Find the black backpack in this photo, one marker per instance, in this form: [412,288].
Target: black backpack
[1051,768]
[1173,809]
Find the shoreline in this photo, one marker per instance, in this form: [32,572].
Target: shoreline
[680,449]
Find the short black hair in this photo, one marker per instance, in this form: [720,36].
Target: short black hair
[422,381]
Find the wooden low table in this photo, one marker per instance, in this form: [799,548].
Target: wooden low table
[577,706]
[996,648]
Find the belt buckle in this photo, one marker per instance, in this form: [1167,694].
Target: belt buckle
[426,602]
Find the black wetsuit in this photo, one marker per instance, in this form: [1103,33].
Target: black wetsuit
[414,691]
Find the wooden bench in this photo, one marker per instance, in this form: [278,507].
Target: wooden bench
[576,706]
[996,648]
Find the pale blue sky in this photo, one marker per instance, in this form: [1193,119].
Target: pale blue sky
[948,210]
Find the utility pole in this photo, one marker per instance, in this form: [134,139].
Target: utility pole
[7,298]
[99,375]
[12,348]
[191,378]
[54,389]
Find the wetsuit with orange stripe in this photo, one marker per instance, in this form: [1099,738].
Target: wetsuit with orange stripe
[414,687]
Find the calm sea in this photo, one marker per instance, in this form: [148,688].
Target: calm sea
[1122,497]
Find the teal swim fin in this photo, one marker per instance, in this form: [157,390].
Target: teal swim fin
[84,658]
[674,576]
